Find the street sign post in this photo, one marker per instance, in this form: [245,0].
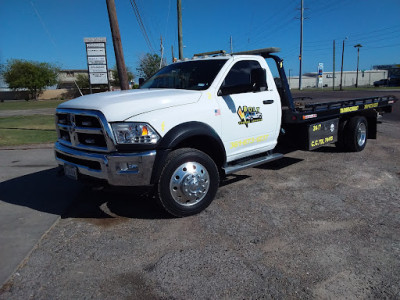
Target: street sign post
[97,61]
[320,72]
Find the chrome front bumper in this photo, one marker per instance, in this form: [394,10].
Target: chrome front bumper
[121,169]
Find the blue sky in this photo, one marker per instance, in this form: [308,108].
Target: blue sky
[53,30]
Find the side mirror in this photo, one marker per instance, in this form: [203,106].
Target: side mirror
[259,80]
[141,81]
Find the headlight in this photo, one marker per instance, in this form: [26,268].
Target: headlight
[134,133]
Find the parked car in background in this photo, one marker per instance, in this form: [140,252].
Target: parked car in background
[382,82]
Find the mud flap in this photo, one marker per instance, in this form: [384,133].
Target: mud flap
[322,133]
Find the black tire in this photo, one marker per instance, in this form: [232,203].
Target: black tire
[356,133]
[188,182]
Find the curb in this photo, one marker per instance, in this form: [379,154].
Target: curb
[28,147]
[26,259]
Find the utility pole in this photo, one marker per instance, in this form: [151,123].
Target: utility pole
[334,64]
[301,42]
[119,54]
[341,72]
[172,51]
[162,51]
[179,7]
[231,44]
[358,46]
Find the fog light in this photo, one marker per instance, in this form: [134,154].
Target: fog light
[127,168]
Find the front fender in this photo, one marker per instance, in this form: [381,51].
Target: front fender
[183,131]
[190,134]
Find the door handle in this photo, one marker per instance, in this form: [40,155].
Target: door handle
[268,101]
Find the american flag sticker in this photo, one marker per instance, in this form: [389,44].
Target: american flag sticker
[217,112]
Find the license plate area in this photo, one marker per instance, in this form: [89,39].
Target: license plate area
[71,171]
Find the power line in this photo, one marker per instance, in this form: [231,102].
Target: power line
[361,36]
[377,38]
[268,27]
[44,25]
[377,30]
[141,25]
[379,47]
[317,49]
[283,26]
[275,26]
[329,7]
[167,21]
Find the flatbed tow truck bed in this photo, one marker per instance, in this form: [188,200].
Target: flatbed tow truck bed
[314,114]
[304,108]
[326,94]
[307,107]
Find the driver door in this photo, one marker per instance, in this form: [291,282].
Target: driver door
[248,111]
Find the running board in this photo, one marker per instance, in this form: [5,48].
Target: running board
[252,163]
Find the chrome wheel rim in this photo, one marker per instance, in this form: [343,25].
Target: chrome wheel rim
[361,134]
[189,183]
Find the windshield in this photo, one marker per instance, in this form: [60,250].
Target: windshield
[190,75]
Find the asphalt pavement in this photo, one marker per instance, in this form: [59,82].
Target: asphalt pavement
[32,198]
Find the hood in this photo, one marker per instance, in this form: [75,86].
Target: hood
[121,105]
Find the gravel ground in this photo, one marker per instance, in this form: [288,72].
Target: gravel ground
[319,224]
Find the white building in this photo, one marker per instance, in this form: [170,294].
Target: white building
[365,78]
[66,78]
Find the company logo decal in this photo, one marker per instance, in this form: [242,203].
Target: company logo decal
[372,105]
[252,140]
[249,114]
[348,109]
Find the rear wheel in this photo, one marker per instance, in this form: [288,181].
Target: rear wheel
[355,135]
[188,182]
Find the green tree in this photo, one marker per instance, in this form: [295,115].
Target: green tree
[29,75]
[115,76]
[149,64]
[82,80]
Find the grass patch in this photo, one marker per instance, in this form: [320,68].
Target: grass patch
[15,137]
[28,122]
[28,105]
[20,130]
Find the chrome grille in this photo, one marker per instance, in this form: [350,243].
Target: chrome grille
[83,129]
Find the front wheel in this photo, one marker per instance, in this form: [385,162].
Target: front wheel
[188,182]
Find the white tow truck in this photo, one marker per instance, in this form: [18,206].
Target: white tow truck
[198,120]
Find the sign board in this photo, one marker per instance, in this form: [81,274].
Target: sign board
[98,78]
[96,52]
[94,45]
[97,60]
[97,69]
[95,40]
[320,72]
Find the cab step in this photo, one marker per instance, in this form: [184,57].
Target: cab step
[244,164]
